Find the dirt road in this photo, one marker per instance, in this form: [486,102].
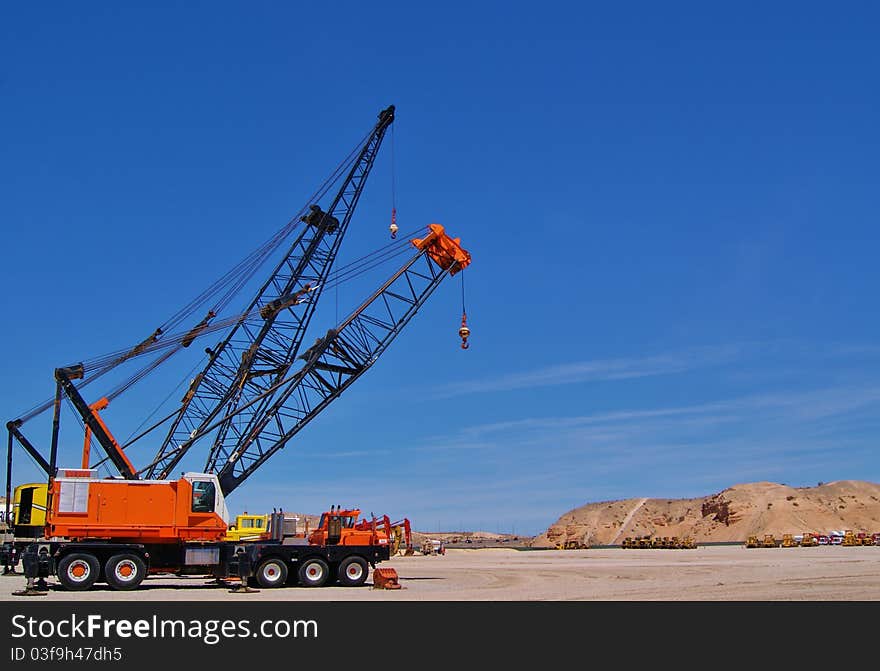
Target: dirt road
[626,520]
[716,573]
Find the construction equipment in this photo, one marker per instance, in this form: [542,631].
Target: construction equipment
[628,543]
[248,528]
[24,523]
[769,541]
[809,540]
[688,543]
[752,542]
[400,538]
[788,541]
[849,538]
[433,546]
[343,527]
[247,403]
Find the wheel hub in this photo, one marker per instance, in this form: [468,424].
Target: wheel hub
[125,571]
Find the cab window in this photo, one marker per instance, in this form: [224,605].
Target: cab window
[203,497]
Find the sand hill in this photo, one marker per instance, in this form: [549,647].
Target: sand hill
[731,515]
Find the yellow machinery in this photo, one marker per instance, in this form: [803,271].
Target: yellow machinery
[688,543]
[849,538]
[29,508]
[27,521]
[248,528]
[628,542]
[752,542]
[809,541]
[788,541]
[401,540]
[769,541]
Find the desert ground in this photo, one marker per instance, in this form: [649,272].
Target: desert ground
[707,573]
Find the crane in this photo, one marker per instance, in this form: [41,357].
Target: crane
[258,389]
[250,399]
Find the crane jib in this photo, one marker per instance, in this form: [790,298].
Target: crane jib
[340,357]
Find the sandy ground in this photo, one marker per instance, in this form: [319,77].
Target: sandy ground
[711,573]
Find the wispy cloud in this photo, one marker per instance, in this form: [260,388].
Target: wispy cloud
[346,454]
[806,405]
[713,440]
[598,370]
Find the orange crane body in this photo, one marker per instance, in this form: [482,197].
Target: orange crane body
[83,506]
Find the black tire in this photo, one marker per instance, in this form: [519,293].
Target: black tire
[125,571]
[78,571]
[272,572]
[313,572]
[353,571]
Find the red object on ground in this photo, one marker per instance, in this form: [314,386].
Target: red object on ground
[385,578]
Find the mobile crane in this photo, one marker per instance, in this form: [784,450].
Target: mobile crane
[249,402]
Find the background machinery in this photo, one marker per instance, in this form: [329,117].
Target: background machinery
[258,389]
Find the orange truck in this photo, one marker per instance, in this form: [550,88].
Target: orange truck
[119,531]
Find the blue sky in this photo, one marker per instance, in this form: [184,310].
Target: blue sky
[671,210]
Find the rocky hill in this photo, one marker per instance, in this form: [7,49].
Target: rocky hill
[731,515]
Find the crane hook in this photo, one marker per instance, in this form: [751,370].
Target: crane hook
[393,226]
[464,332]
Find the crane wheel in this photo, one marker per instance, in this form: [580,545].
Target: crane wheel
[353,571]
[272,572]
[313,572]
[125,571]
[78,571]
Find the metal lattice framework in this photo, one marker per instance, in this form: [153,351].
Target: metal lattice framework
[260,349]
[332,363]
